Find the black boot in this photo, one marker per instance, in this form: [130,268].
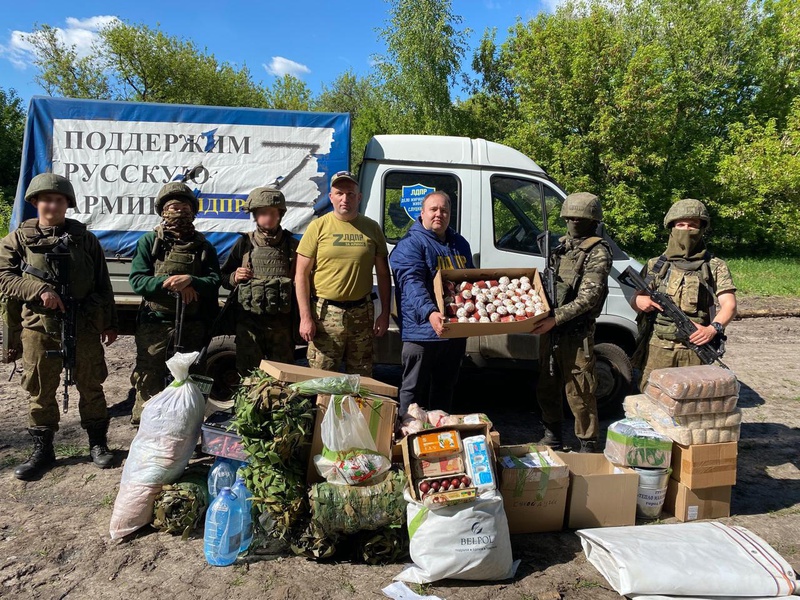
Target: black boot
[552,436]
[98,445]
[588,446]
[43,457]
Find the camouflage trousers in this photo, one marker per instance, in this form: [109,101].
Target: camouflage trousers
[259,337]
[662,354]
[343,334]
[573,373]
[41,378]
[152,341]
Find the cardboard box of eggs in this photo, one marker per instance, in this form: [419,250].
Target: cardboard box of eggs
[490,301]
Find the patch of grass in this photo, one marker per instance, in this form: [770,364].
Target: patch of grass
[349,587]
[241,571]
[88,478]
[108,500]
[423,589]
[11,460]
[583,584]
[766,276]
[70,450]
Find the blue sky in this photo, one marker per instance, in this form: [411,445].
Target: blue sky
[313,39]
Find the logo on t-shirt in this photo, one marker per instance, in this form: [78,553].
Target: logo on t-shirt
[349,239]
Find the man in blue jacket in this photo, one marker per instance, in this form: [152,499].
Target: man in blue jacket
[430,363]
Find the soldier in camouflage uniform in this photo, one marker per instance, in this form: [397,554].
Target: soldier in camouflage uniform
[695,280]
[174,263]
[259,270]
[582,262]
[337,316]
[29,276]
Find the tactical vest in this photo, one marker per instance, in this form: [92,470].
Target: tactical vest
[569,265]
[692,291]
[269,292]
[176,257]
[38,265]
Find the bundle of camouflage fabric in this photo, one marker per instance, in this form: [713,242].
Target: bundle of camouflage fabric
[348,509]
[179,507]
[275,424]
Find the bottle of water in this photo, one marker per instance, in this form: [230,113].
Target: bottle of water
[244,496]
[221,475]
[223,533]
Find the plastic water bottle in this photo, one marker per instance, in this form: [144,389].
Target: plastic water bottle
[243,496]
[223,533]
[221,475]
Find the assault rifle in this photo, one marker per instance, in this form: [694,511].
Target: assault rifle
[549,286]
[709,353]
[69,322]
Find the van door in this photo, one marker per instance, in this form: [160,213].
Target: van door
[510,225]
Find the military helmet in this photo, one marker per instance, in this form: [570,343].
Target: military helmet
[50,182]
[688,208]
[263,197]
[582,205]
[176,190]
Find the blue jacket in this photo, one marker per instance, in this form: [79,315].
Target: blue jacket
[414,262]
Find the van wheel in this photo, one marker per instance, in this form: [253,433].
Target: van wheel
[221,366]
[614,375]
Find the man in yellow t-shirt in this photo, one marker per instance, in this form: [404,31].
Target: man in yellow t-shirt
[334,282]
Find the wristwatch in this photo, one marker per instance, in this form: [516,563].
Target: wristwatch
[718,326]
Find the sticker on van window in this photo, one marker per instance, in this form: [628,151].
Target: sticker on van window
[411,198]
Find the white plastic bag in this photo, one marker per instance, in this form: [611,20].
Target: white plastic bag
[349,454]
[688,559]
[167,436]
[463,541]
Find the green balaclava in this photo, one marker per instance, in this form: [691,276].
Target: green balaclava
[686,244]
[581,228]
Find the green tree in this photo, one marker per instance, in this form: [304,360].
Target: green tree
[12,128]
[424,49]
[289,93]
[139,63]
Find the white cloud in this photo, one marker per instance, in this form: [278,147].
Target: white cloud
[78,33]
[280,66]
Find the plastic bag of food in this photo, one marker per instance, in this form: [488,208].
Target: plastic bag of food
[337,385]
[701,381]
[167,436]
[349,454]
[634,443]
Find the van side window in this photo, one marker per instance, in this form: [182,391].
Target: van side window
[553,201]
[403,192]
[517,213]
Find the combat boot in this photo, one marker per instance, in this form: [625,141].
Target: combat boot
[98,445]
[588,446]
[552,436]
[43,456]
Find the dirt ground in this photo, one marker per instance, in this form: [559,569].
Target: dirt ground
[54,539]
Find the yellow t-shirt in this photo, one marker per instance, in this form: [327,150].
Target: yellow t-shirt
[343,253]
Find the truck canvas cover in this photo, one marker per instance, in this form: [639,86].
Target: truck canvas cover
[119,154]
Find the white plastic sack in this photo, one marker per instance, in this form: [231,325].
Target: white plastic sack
[688,559]
[349,455]
[167,436]
[463,541]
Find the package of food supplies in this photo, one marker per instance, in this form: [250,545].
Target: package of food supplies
[690,406]
[702,381]
[349,455]
[163,445]
[437,443]
[464,541]
[347,509]
[690,429]
[479,463]
[634,443]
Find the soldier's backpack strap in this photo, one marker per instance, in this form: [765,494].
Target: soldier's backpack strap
[246,262]
[585,247]
[707,281]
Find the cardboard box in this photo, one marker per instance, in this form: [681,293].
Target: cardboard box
[691,505]
[292,373]
[460,330]
[601,494]
[701,466]
[465,430]
[535,499]
[380,413]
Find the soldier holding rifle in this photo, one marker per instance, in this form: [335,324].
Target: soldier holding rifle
[56,269]
[176,270]
[696,281]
